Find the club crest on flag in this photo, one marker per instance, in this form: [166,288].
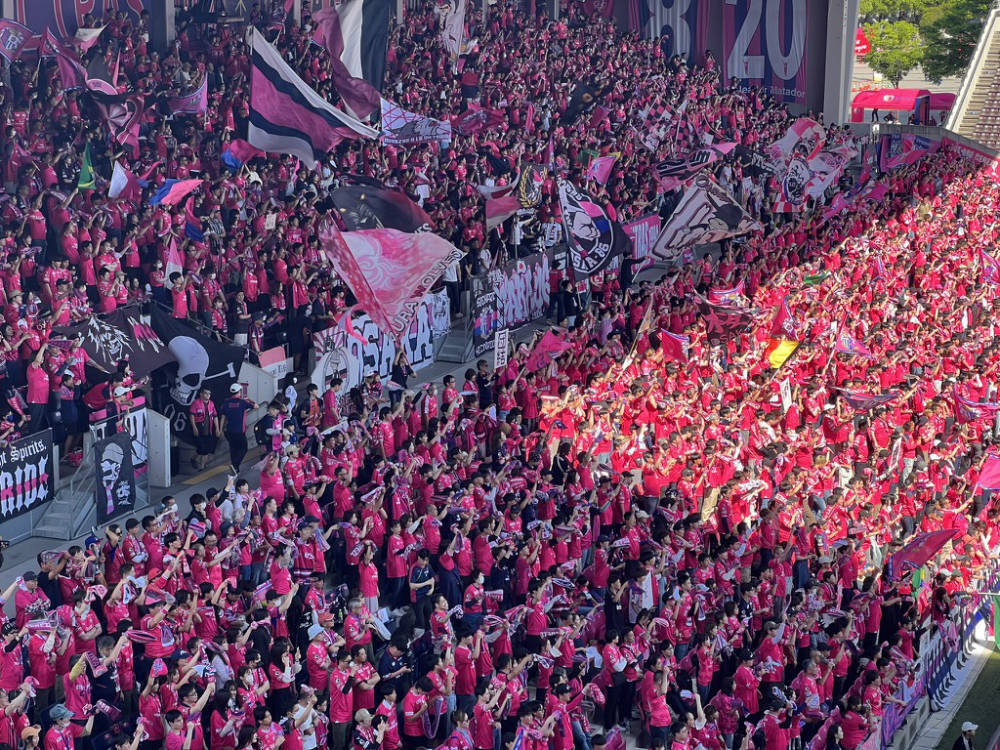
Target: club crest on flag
[589,231]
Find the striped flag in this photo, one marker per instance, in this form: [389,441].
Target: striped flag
[356,35]
[173,192]
[289,117]
[729,296]
[784,337]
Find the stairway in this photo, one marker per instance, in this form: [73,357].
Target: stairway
[67,515]
[976,113]
[456,346]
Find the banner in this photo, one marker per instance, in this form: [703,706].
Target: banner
[439,313]
[643,233]
[136,424]
[191,103]
[125,334]
[485,319]
[672,173]
[26,475]
[764,45]
[201,362]
[369,349]
[115,488]
[522,289]
[453,28]
[501,347]
[903,149]
[473,121]
[706,213]
[13,38]
[402,128]
[917,552]
[590,233]
[64,17]
[388,271]
[681,28]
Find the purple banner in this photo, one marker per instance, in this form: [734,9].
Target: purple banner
[643,233]
[64,17]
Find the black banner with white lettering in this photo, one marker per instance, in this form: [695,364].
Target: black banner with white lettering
[115,488]
[26,475]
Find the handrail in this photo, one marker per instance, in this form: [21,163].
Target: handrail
[972,72]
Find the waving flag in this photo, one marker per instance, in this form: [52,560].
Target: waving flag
[124,184]
[863,401]
[723,322]
[238,153]
[804,137]
[989,475]
[401,128]
[784,337]
[477,119]
[192,223]
[991,268]
[731,296]
[72,75]
[388,271]
[674,346]
[969,411]
[192,103]
[672,173]
[287,116]
[548,348]
[13,38]
[453,29]
[705,214]
[85,38]
[356,35]
[592,237]
[915,554]
[600,168]
[847,344]
[173,192]
[371,205]
[87,180]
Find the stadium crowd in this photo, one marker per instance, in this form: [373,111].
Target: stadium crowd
[619,545]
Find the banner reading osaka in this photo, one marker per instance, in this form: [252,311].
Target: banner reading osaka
[764,42]
[64,17]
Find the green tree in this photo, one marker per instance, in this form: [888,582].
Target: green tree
[896,49]
[894,10]
[951,31]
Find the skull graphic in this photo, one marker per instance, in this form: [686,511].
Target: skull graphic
[192,367]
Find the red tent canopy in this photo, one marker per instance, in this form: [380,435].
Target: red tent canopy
[942,102]
[900,99]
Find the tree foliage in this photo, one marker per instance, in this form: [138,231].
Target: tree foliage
[871,11]
[896,49]
[950,31]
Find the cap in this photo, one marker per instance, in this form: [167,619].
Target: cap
[235,388]
[324,617]
[315,630]
[30,576]
[122,391]
[968,726]
[361,715]
[9,628]
[32,731]
[59,711]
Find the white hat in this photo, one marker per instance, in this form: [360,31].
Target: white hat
[968,726]
[315,630]
[122,391]
[235,388]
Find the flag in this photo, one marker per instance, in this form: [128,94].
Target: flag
[706,213]
[476,119]
[85,38]
[13,37]
[592,237]
[192,223]
[173,192]
[991,268]
[87,179]
[847,344]
[548,348]
[723,322]
[126,332]
[674,346]
[672,173]
[863,401]
[784,338]
[238,153]
[372,205]
[191,103]
[501,203]
[921,549]
[124,184]
[989,475]
[804,137]
[600,168]
[879,268]
[287,116]
[778,351]
[729,296]
[72,75]
[453,29]
[970,411]
[814,279]
[401,128]
[388,271]
[584,97]
[173,263]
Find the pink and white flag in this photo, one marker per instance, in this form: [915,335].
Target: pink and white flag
[192,103]
[600,168]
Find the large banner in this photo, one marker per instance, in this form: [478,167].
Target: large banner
[350,351]
[202,362]
[643,233]
[125,333]
[64,17]
[765,46]
[682,24]
[115,488]
[26,475]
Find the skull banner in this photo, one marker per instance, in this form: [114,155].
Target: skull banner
[115,486]
[201,362]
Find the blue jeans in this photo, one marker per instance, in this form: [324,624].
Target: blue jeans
[580,738]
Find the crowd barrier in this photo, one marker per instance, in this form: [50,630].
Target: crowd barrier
[944,651]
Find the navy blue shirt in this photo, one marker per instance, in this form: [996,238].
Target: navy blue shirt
[235,409]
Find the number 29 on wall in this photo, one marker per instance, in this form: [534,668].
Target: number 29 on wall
[785,65]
